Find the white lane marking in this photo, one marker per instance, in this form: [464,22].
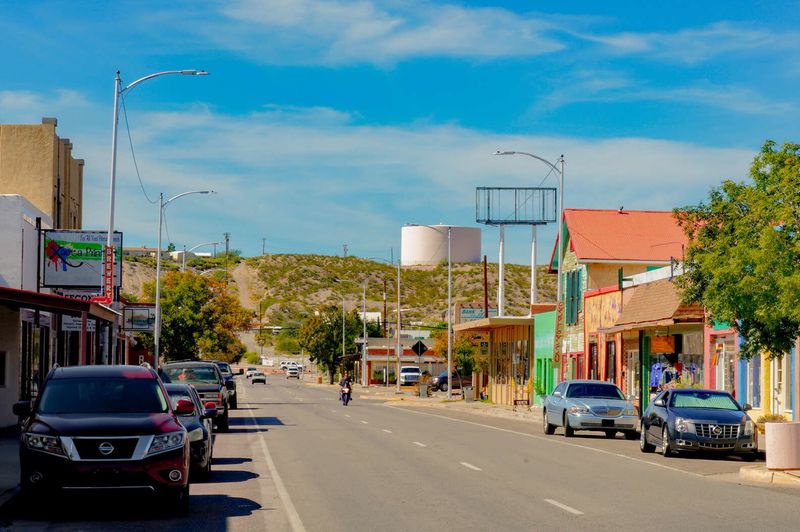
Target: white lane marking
[556,441]
[419,444]
[387,431]
[291,512]
[470,466]
[347,415]
[333,411]
[564,507]
[364,422]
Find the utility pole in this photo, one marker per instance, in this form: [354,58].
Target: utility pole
[397,373]
[215,250]
[384,308]
[344,250]
[263,246]
[227,239]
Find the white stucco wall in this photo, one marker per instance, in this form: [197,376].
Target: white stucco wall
[18,241]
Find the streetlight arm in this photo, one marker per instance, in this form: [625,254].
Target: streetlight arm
[545,161]
[182,194]
[201,245]
[166,72]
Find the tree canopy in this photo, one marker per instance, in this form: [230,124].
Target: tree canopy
[743,258]
[321,336]
[199,319]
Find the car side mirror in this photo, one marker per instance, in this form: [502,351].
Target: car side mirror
[747,406]
[22,409]
[556,394]
[229,385]
[210,410]
[658,402]
[184,407]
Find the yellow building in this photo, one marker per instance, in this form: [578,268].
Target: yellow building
[38,164]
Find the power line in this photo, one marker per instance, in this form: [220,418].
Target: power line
[133,153]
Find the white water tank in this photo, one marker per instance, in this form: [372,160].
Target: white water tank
[427,244]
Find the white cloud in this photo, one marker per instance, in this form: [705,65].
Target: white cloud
[697,45]
[332,32]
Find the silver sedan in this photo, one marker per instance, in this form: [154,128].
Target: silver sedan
[589,405]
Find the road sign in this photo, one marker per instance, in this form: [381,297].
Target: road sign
[419,348]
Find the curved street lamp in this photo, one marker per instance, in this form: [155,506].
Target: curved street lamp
[185,251]
[109,251]
[161,206]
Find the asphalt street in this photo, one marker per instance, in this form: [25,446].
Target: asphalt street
[296,459]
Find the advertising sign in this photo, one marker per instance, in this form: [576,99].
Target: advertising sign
[471,314]
[662,344]
[73,324]
[138,318]
[75,258]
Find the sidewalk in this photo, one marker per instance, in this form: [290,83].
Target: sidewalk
[9,466]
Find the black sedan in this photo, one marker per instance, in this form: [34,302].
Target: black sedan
[688,419]
[198,426]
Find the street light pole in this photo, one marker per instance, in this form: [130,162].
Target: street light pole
[157,328]
[449,318]
[191,249]
[397,372]
[364,375]
[109,251]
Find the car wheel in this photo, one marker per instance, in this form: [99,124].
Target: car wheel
[750,457]
[666,449]
[443,387]
[644,446]
[611,434]
[569,432]
[547,427]
[631,435]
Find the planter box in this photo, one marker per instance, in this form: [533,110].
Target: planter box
[783,446]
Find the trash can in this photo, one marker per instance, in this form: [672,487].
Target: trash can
[423,390]
[469,393]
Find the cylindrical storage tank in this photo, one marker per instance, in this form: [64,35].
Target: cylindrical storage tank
[427,244]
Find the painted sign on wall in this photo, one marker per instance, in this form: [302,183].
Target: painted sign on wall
[75,258]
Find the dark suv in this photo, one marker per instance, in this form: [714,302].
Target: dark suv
[207,380]
[101,428]
[227,374]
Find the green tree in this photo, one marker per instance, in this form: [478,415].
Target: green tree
[287,342]
[321,336]
[743,258]
[171,247]
[198,318]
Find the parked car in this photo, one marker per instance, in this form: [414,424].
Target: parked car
[688,419]
[409,375]
[209,382]
[249,372]
[439,382]
[227,374]
[292,372]
[198,425]
[258,377]
[589,405]
[102,428]
[284,363]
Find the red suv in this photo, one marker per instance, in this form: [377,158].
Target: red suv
[102,427]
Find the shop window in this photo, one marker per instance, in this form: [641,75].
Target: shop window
[593,361]
[754,382]
[611,361]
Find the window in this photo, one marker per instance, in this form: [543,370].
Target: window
[717,401]
[595,391]
[102,396]
[573,297]
[754,381]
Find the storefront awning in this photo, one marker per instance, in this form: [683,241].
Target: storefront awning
[656,304]
[14,298]
[487,324]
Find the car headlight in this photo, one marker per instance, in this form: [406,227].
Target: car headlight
[46,444]
[578,410]
[629,411]
[683,425]
[196,434]
[166,442]
[749,427]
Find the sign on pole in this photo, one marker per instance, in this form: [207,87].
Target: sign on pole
[74,259]
[138,318]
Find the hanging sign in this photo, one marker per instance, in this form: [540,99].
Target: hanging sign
[74,259]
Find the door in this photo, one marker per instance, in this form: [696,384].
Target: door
[657,416]
[556,405]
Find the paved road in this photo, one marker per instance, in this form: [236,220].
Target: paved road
[296,459]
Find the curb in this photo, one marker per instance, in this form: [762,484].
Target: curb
[760,473]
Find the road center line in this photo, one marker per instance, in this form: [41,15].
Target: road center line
[564,507]
[470,466]
[364,422]
[554,441]
[419,444]
[347,415]
[387,431]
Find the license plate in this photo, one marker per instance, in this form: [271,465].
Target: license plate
[607,422]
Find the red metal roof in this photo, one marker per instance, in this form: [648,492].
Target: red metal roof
[622,235]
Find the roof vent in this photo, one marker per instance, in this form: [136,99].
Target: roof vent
[49,120]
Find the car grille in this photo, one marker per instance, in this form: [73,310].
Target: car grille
[705,445]
[716,431]
[116,448]
[611,411]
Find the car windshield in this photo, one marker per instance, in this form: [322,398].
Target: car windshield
[716,401]
[102,396]
[594,391]
[409,370]
[176,396]
[199,374]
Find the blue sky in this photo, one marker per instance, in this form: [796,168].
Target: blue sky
[332,122]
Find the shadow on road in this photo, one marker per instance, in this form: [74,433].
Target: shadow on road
[243,425]
[103,512]
[229,475]
[231,460]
